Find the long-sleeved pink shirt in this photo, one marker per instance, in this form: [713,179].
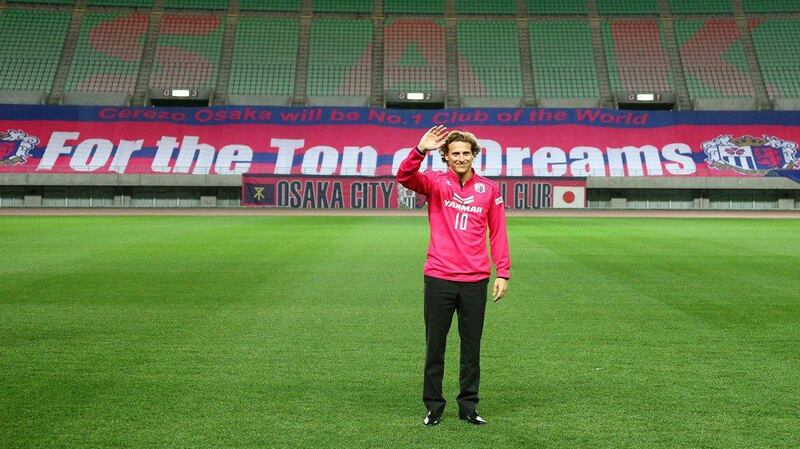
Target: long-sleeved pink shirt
[459,216]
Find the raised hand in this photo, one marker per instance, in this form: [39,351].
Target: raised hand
[433,139]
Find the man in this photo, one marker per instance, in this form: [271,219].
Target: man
[461,206]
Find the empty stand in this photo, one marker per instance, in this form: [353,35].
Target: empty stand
[628,6]
[771,5]
[108,53]
[701,7]
[486,7]
[364,6]
[713,60]
[44,2]
[558,7]
[776,45]
[128,3]
[187,51]
[414,55]
[488,59]
[340,58]
[413,6]
[196,4]
[637,61]
[264,57]
[563,59]
[271,5]
[30,47]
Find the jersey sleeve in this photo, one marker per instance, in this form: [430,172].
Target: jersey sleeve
[498,236]
[409,176]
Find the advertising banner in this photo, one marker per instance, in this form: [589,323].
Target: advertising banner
[384,192]
[370,143]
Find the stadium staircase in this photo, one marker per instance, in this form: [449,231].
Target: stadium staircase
[682,101]
[525,61]
[303,44]
[70,43]
[603,82]
[226,55]
[759,87]
[148,55]
[376,89]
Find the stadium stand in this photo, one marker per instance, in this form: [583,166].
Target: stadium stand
[762,6]
[196,4]
[704,7]
[108,53]
[264,61]
[563,61]
[124,3]
[414,55]
[560,7]
[31,41]
[775,42]
[636,58]
[272,5]
[413,6]
[488,61]
[44,2]
[188,51]
[484,7]
[340,61]
[364,6]
[713,59]
[628,6]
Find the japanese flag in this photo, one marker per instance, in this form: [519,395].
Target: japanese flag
[569,197]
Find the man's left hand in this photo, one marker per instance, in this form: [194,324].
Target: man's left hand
[499,290]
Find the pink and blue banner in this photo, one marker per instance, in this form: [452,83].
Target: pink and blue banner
[370,143]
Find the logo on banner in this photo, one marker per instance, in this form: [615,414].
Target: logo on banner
[751,155]
[406,198]
[16,147]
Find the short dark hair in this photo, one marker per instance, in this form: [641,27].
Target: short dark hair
[459,136]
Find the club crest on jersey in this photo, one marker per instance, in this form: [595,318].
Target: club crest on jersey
[480,187]
[16,147]
[751,155]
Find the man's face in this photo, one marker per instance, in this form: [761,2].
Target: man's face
[459,157]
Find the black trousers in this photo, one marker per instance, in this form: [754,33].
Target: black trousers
[442,298]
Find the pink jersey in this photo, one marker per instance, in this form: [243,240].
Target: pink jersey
[458,218]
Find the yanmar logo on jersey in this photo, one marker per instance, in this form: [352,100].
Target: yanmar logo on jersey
[463,204]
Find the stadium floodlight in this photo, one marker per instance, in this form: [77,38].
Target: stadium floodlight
[415,96]
[645,97]
[182,93]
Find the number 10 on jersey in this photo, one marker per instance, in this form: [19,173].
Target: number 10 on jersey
[461,221]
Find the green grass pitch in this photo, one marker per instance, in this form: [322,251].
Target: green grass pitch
[260,332]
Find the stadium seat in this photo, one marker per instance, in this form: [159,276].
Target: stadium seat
[196,4]
[703,7]
[637,61]
[775,42]
[559,7]
[108,53]
[128,3]
[414,55]
[264,57]
[486,7]
[628,6]
[488,59]
[30,47]
[271,5]
[758,6]
[340,58]
[342,6]
[413,6]
[44,2]
[713,59]
[563,59]
[188,51]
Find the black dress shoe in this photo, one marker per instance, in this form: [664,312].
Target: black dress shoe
[433,419]
[473,418]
